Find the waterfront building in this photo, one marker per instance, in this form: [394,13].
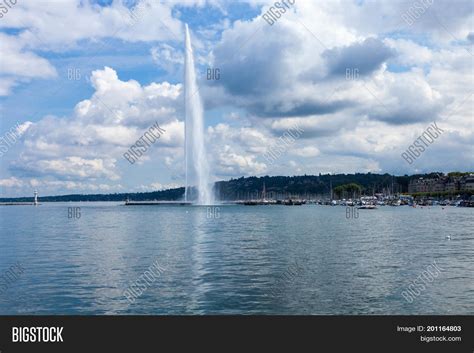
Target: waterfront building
[467,183]
[442,183]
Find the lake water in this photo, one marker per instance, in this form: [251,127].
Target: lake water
[236,260]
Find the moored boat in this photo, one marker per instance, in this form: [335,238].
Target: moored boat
[367,207]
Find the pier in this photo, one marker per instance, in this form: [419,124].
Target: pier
[18,203]
[21,203]
[157,203]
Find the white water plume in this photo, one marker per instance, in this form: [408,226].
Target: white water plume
[197,166]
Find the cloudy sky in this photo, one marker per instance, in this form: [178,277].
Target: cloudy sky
[80,81]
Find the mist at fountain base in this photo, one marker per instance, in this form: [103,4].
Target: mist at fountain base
[193,197]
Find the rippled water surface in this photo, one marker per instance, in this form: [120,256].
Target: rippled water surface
[239,263]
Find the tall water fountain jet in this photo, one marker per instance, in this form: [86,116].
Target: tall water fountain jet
[197,167]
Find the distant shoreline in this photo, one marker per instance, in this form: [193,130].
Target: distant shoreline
[302,186]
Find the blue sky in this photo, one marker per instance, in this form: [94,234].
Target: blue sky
[80,81]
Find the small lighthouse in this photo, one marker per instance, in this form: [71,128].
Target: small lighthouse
[36,198]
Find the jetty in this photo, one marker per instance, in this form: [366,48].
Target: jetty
[157,203]
[19,203]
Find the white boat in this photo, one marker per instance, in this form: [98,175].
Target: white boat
[367,207]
